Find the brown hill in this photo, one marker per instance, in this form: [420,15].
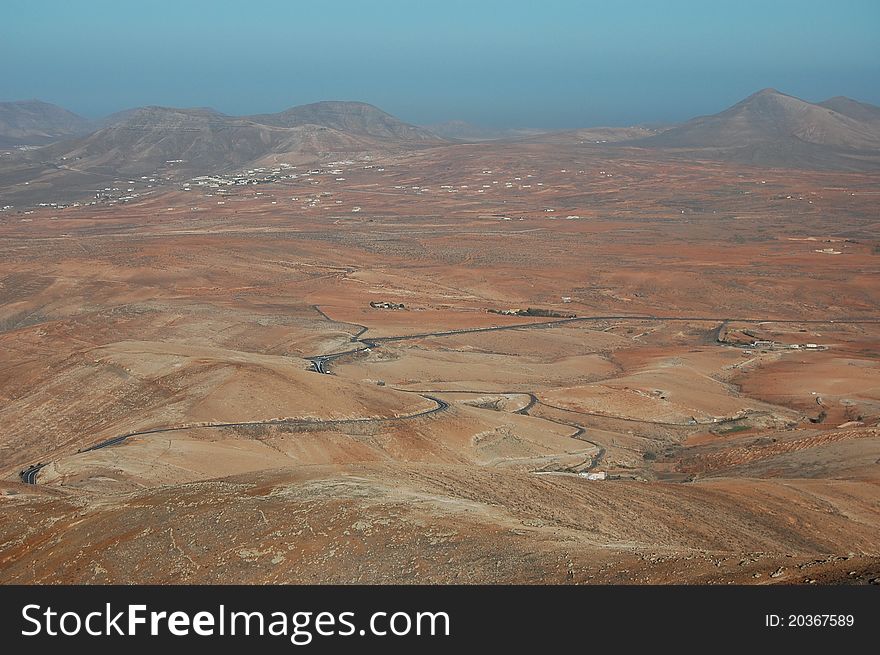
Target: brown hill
[357,118]
[772,128]
[197,140]
[180,143]
[32,122]
[860,111]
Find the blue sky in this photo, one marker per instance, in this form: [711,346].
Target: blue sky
[548,63]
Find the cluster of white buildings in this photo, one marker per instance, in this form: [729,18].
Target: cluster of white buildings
[244,178]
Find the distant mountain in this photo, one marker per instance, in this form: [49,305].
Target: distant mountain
[33,122]
[143,140]
[768,128]
[772,128]
[203,140]
[125,114]
[860,111]
[356,118]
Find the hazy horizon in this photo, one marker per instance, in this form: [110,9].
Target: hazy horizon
[556,65]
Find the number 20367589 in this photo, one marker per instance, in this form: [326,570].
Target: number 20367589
[809,620]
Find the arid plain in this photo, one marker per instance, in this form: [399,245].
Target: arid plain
[704,335]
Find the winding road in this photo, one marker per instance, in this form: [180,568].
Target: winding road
[320,361]
[29,475]
[579,430]
[320,365]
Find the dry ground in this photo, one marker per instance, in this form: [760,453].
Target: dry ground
[441,449]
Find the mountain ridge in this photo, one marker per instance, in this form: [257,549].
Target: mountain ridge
[777,129]
[203,140]
[34,122]
[354,117]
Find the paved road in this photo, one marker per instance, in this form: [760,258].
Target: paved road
[29,475]
[439,406]
[579,430]
[320,362]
